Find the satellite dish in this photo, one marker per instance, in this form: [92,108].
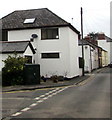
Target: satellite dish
[34,35]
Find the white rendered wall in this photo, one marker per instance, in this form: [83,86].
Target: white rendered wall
[87,58]
[28,52]
[90,58]
[59,66]
[65,64]
[106,46]
[74,53]
[22,35]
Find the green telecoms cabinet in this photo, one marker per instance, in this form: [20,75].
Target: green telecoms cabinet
[31,74]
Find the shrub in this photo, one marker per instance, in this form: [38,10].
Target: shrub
[54,78]
[12,73]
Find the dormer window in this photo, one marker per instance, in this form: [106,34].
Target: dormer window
[30,20]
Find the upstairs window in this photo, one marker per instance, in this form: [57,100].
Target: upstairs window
[49,33]
[31,20]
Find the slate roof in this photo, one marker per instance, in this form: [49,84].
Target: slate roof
[15,46]
[108,39]
[85,42]
[43,18]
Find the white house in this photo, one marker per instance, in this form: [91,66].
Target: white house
[22,48]
[105,43]
[90,55]
[54,39]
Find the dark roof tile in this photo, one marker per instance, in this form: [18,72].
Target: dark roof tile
[15,46]
[43,18]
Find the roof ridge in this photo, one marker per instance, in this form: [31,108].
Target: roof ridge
[29,9]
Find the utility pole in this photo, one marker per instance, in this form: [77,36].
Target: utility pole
[82,40]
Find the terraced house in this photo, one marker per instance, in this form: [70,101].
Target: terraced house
[55,41]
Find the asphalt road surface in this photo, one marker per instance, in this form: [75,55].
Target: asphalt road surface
[89,99]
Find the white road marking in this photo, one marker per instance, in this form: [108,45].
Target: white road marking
[50,95]
[37,98]
[54,93]
[40,101]
[25,109]
[47,93]
[54,90]
[50,92]
[60,90]
[42,96]
[45,98]
[16,114]
[34,104]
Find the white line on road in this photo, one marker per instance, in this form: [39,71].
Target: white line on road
[45,98]
[37,98]
[16,114]
[54,93]
[50,95]
[25,109]
[40,101]
[34,104]
[42,96]
[47,93]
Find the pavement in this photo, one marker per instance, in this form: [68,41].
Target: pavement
[49,83]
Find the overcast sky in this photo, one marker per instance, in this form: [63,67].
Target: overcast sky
[96,13]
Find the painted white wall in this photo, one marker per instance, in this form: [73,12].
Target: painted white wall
[87,58]
[66,45]
[90,58]
[106,46]
[59,66]
[28,52]
[94,58]
[74,54]
[15,35]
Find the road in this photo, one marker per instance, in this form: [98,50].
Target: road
[89,99]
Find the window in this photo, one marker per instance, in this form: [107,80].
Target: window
[31,20]
[50,55]
[49,33]
[29,59]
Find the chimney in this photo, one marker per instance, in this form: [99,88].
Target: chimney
[101,36]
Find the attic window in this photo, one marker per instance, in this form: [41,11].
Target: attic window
[31,20]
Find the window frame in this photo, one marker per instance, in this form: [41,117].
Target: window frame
[29,20]
[49,55]
[48,30]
